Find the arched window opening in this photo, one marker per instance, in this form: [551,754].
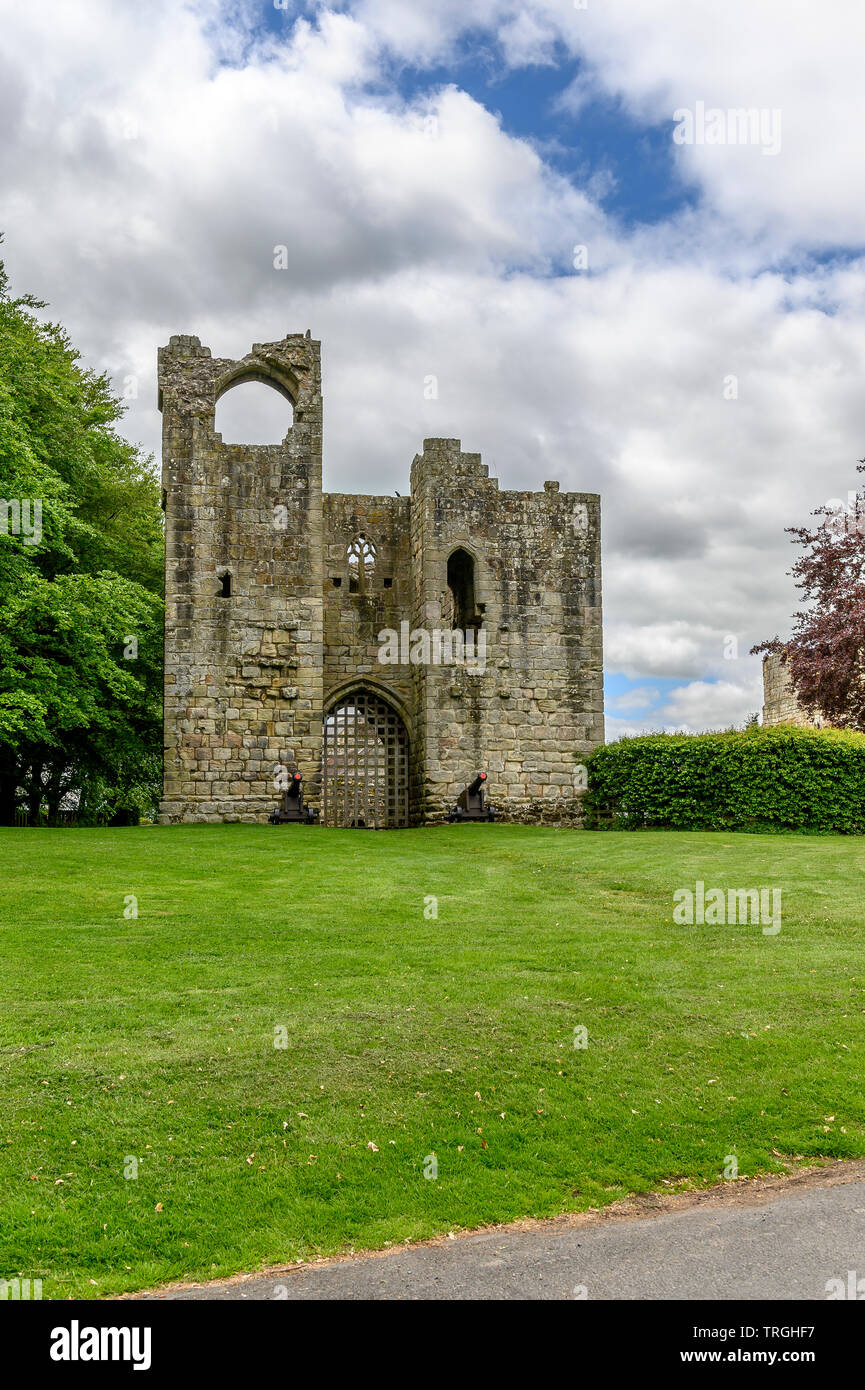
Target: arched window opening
[253,413]
[461,608]
[224,590]
[361,564]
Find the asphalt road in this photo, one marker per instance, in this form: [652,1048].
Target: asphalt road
[753,1240]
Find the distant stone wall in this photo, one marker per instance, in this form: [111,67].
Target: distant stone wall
[780,705]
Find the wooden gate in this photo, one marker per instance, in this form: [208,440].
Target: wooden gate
[365,764]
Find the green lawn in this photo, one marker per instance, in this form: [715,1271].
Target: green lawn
[154,1037]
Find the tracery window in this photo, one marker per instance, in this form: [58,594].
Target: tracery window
[361,564]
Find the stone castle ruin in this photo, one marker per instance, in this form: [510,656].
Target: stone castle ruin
[278,596]
[780,705]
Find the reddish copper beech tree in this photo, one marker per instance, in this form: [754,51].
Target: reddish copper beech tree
[826,654]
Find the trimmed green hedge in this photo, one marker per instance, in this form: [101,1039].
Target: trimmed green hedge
[779,778]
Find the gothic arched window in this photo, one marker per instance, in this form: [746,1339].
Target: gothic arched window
[361,564]
[461,608]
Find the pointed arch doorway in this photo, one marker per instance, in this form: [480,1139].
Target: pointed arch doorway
[364,764]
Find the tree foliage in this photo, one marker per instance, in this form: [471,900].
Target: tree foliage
[80,584]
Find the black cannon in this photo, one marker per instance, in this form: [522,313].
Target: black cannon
[472,804]
[292,811]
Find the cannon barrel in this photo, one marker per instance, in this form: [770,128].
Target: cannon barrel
[471,802]
[292,810]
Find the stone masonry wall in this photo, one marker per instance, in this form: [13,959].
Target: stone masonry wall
[352,621]
[243,674]
[780,705]
[537,709]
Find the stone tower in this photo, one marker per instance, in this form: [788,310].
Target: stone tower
[324,633]
[780,705]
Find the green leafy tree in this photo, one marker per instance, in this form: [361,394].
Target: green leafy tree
[80,585]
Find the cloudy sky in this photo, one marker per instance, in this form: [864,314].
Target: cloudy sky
[532,203]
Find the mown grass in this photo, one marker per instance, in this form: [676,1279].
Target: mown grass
[154,1037]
